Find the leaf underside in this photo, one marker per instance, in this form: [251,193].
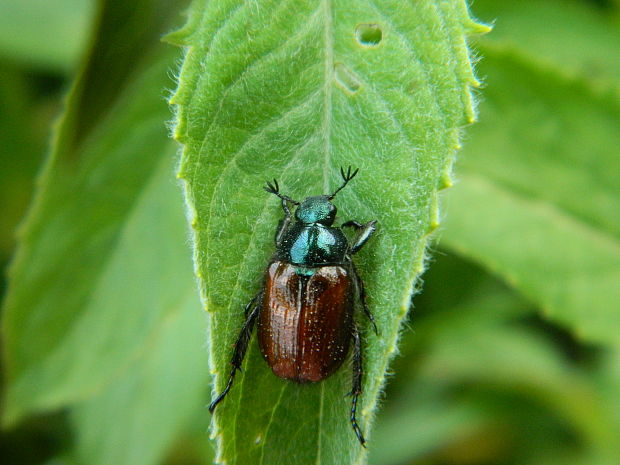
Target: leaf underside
[295,90]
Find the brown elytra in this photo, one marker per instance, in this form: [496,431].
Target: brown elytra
[305,320]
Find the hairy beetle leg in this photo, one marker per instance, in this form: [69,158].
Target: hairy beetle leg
[356,388]
[364,232]
[241,347]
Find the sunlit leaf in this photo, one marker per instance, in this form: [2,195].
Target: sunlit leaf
[295,90]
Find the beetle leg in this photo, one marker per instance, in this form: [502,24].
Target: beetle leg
[357,383]
[284,223]
[252,304]
[274,188]
[362,296]
[241,346]
[364,231]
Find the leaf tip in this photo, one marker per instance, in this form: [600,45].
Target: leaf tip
[478,28]
[475,83]
[177,38]
[445,182]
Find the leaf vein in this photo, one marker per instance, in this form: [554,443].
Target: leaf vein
[238,280]
[328,85]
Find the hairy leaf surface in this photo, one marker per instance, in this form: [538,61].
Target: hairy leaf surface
[296,90]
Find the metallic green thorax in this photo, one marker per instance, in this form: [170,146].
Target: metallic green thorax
[311,241]
[316,209]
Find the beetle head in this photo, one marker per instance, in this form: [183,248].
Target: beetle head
[316,210]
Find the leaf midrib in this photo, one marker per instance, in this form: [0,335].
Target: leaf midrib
[327,90]
[327,97]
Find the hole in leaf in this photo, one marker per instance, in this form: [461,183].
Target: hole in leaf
[346,78]
[368,35]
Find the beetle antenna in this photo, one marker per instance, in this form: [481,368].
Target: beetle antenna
[346,177]
[274,188]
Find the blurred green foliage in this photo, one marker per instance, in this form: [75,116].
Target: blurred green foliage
[511,353]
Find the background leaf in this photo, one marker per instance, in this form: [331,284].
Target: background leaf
[77,242]
[136,418]
[117,328]
[479,378]
[572,36]
[545,196]
[265,93]
[45,34]
[25,116]
[421,415]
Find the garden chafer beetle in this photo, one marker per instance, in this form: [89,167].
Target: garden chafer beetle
[305,309]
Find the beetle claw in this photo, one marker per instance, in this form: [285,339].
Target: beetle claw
[272,188]
[348,175]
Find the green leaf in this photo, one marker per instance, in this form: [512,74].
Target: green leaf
[572,36]
[478,374]
[45,34]
[136,418]
[608,378]
[423,414]
[98,270]
[61,460]
[295,90]
[519,362]
[102,312]
[420,406]
[22,140]
[539,193]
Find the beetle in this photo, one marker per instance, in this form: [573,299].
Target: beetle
[305,309]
